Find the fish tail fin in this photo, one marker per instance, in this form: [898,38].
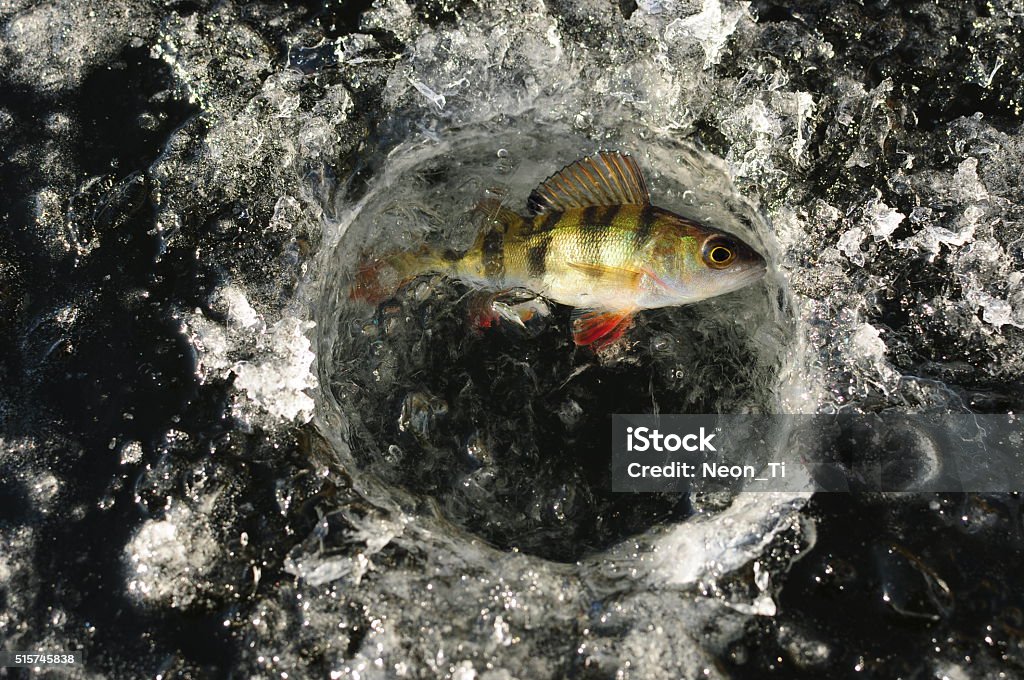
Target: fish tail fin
[379,278]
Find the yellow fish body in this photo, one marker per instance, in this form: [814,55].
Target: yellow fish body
[593,241]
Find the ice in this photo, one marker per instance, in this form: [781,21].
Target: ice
[394,16]
[849,245]
[418,499]
[167,560]
[712,547]
[882,220]
[985,261]
[372,533]
[806,652]
[278,383]
[931,239]
[41,486]
[52,45]
[239,311]
[945,671]
[6,121]
[436,99]
[271,365]
[711,28]
[131,453]
[211,343]
[17,580]
[868,341]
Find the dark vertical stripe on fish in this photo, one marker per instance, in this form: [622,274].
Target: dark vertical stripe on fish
[591,233]
[590,216]
[494,255]
[546,221]
[607,215]
[644,228]
[537,256]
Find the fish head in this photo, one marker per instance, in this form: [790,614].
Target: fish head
[694,262]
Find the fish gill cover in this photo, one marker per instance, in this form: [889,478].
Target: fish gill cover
[215,462]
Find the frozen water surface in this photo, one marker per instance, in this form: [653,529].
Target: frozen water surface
[214,462]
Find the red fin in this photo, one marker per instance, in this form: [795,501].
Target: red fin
[481,312]
[591,327]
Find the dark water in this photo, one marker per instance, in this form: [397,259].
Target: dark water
[165,511]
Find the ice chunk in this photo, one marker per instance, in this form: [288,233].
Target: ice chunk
[711,27]
[933,237]
[849,245]
[394,16]
[881,220]
[803,106]
[275,373]
[944,670]
[755,129]
[967,186]
[44,488]
[131,453]
[316,565]
[168,559]
[652,7]
[53,44]
[210,340]
[867,342]
[435,98]
[238,309]
[277,382]
[989,283]
[708,547]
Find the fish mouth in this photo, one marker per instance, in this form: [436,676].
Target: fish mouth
[749,274]
[754,271]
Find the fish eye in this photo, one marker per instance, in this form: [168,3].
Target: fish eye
[719,254]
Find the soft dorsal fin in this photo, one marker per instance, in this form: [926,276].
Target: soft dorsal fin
[497,216]
[605,179]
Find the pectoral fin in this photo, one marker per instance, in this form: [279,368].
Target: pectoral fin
[592,327]
[627,278]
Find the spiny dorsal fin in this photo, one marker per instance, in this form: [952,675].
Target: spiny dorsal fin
[607,178]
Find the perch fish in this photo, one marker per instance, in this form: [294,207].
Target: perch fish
[593,241]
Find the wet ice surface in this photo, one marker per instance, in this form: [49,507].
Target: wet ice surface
[213,460]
